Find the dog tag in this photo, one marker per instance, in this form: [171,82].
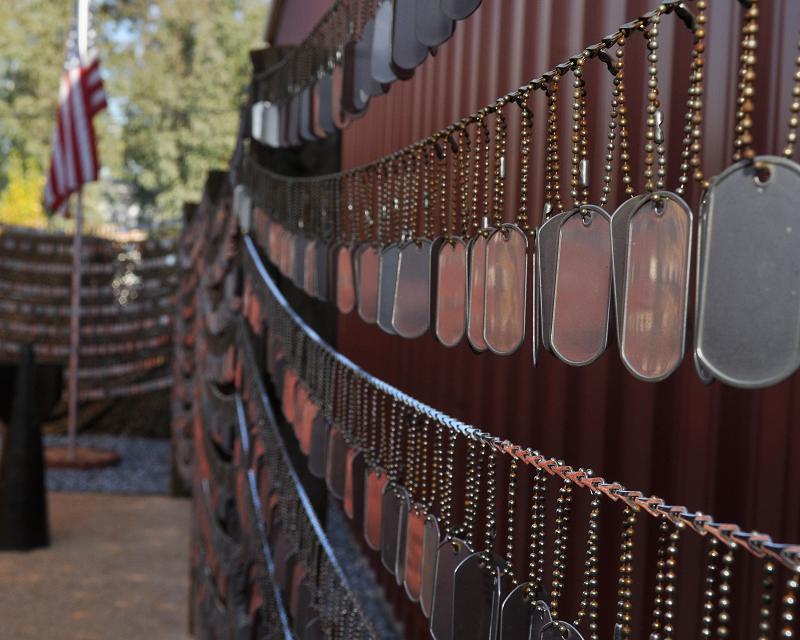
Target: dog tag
[559,630]
[345,291]
[298,576]
[272,125]
[412,299]
[656,286]
[364,85]
[459,9]
[367,262]
[305,431]
[582,295]
[748,294]
[338,114]
[322,262]
[375,484]
[293,122]
[381,63]
[451,291]
[505,288]
[520,616]
[391,510]
[433,27]
[306,132]
[387,283]
[619,241]
[430,547]
[310,269]
[402,533]
[354,485]
[546,258]
[337,460]
[299,266]
[289,390]
[316,111]
[534,308]
[349,77]
[407,52]
[476,259]
[325,93]
[452,552]
[415,531]
[300,399]
[476,598]
[318,452]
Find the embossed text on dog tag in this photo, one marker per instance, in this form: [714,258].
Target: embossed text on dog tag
[337,460]
[375,483]
[506,286]
[433,27]
[451,291]
[412,298]
[452,552]
[546,258]
[345,287]
[656,286]
[354,485]
[476,598]
[381,67]
[318,452]
[387,283]
[748,293]
[476,291]
[430,548]
[415,531]
[582,295]
[367,258]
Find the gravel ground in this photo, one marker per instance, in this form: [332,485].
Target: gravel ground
[144,467]
[359,574]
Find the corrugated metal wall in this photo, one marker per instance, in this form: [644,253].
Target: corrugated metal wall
[729,452]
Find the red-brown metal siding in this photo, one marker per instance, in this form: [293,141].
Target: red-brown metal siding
[725,451]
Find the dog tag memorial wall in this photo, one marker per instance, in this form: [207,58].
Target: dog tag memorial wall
[412,300]
[748,287]
[505,288]
[655,284]
[582,291]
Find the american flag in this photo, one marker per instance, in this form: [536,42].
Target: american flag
[74,160]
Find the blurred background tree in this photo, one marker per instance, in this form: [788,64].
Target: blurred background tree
[175,72]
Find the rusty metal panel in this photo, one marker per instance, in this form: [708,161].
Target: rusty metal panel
[725,451]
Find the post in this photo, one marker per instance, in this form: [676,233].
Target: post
[75,331]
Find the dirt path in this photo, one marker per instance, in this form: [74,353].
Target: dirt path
[117,568]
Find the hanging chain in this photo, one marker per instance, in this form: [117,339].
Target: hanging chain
[480,129]
[463,186]
[709,593]
[724,588]
[625,582]
[788,606]
[563,508]
[425,491]
[447,484]
[526,126]
[743,145]
[654,145]
[613,124]
[589,604]
[500,128]
[442,169]
[490,525]
[537,533]
[511,503]
[624,147]
[794,110]
[692,129]
[664,601]
[767,598]
[579,159]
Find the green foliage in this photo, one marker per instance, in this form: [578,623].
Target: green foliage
[175,72]
[21,200]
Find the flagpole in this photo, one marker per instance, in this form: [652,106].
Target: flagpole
[82,7]
[75,330]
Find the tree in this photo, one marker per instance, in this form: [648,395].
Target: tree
[21,200]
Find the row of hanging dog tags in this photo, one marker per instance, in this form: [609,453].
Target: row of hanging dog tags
[391,45]
[747,329]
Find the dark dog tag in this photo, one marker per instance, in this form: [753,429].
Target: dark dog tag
[546,260]
[323,276]
[402,533]
[387,283]
[354,485]
[391,510]
[325,93]
[306,130]
[476,598]
[337,460]
[433,27]
[367,259]
[521,616]
[430,547]
[459,9]
[452,552]
[317,455]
